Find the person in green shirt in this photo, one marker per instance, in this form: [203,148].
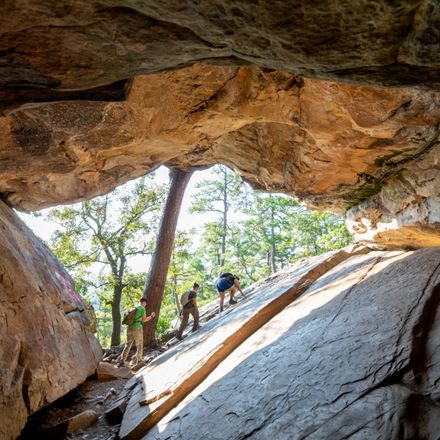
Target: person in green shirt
[135,333]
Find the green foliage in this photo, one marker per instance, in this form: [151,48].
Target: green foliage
[268,231]
[250,233]
[219,193]
[96,238]
[163,325]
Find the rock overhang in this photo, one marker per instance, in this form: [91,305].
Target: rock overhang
[85,44]
[335,145]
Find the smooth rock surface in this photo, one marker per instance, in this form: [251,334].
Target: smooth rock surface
[82,420]
[333,145]
[45,348]
[169,377]
[53,48]
[356,357]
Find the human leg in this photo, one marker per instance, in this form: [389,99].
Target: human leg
[232,291]
[222,300]
[183,324]
[128,344]
[139,341]
[195,314]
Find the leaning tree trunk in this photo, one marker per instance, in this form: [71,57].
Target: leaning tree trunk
[155,283]
[273,248]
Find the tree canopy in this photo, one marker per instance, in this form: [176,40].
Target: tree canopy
[96,238]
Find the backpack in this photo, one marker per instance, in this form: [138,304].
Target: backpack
[184,298]
[130,317]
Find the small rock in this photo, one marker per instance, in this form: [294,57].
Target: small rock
[82,420]
[106,371]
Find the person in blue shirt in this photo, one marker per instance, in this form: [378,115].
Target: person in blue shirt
[228,282]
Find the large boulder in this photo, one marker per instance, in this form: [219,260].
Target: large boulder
[45,348]
[356,356]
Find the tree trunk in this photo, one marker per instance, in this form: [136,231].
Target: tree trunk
[177,299]
[224,220]
[155,283]
[116,315]
[273,250]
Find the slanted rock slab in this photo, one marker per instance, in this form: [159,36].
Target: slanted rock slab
[356,357]
[171,376]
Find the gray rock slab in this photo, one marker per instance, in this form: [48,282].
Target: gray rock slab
[167,379]
[355,357]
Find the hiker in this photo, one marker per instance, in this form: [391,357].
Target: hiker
[228,281]
[135,332]
[189,307]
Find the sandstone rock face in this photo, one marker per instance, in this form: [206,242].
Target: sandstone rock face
[333,145]
[45,349]
[406,211]
[356,356]
[53,48]
[294,130]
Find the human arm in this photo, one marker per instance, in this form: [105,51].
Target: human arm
[237,285]
[146,318]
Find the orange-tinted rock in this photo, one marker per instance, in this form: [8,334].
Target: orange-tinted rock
[108,371]
[45,348]
[50,49]
[406,211]
[333,145]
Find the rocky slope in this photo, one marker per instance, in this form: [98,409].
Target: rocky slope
[355,356]
[45,347]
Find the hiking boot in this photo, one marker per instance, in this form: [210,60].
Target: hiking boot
[195,329]
[232,301]
[179,338]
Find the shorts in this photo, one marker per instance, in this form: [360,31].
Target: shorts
[223,284]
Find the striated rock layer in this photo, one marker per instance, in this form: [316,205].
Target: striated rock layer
[58,50]
[333,145]
[355,357]
[45,348]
